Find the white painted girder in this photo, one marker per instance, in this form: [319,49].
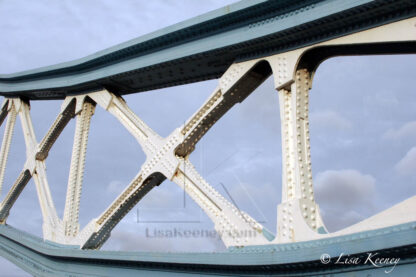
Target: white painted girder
[137,128]
[7,138]
[35,167]
[76,172]
[298,214]
[161,158]
[235,227]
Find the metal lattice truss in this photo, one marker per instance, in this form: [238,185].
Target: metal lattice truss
[166,158]
[298,214]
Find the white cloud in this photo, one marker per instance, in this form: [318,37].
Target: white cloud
[407,165]
[329,120]
[408,130]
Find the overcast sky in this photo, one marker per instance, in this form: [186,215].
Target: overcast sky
[363,129]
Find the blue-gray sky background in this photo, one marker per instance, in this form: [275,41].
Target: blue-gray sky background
[362,113]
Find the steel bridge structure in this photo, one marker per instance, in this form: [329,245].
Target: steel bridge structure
[241,45]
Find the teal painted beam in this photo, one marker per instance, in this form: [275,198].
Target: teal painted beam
[204,47]
[50,259]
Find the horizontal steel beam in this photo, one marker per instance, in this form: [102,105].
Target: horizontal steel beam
[50,259]
[184,53]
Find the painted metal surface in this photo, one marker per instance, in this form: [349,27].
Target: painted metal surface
[294,259]
[204,47]
[301,234]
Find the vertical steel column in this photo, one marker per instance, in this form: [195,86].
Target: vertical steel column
[76,173]
[7,139]
[288,147]
[303,85]
[298,214]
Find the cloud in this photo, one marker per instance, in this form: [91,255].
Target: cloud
[344,188]
[408,130]
[329,120]
[345,197]
[407,165]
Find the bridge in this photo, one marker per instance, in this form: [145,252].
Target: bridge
[241,45]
